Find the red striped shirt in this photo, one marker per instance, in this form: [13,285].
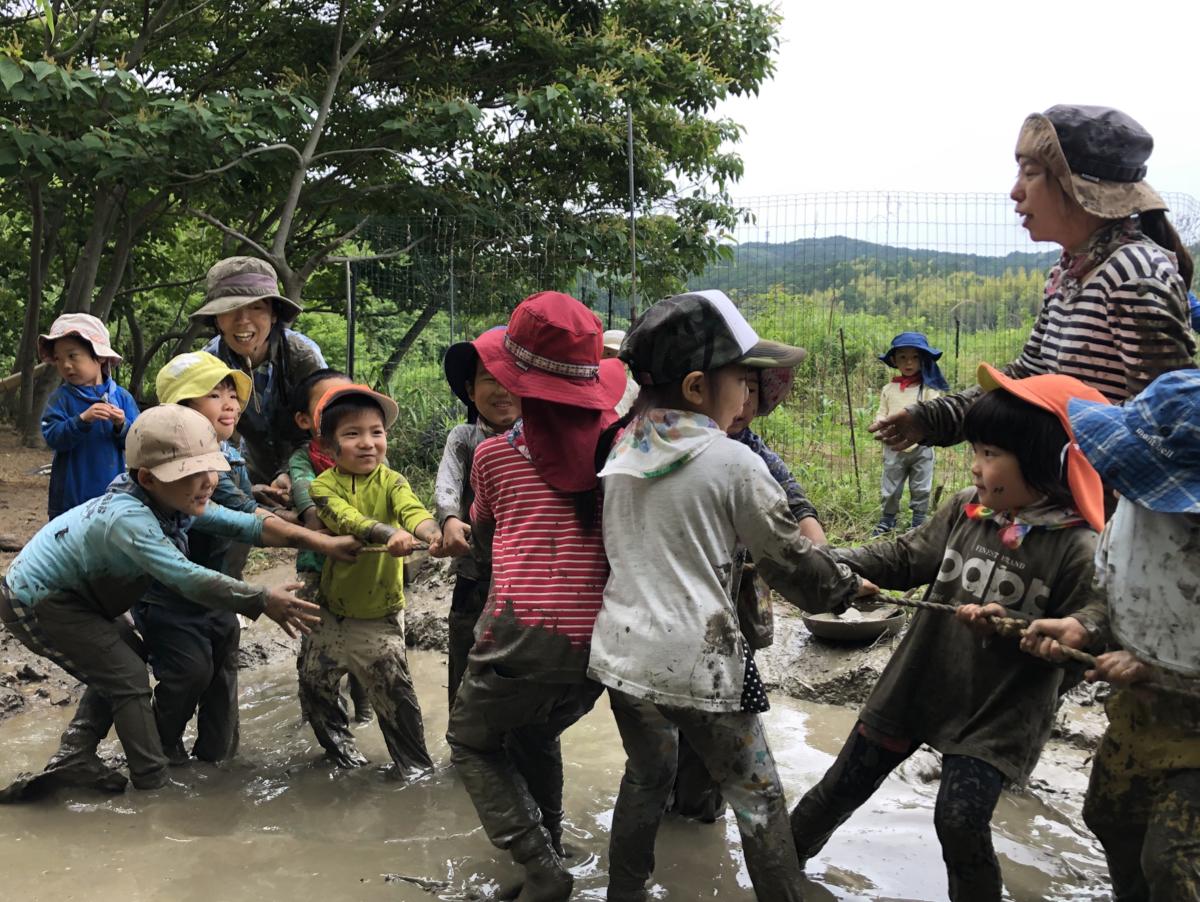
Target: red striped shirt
[544,563]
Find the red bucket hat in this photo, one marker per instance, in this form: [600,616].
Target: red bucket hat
[551,352]
[1052,393]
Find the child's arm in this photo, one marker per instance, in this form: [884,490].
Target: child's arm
[412,515]
[61,428]
[885,409]
[272,531]
[301,470]
[910,560]
[447,491]
[129,410]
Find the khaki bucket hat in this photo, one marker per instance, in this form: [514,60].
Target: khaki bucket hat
[172,441]
[237,281]
[1098,154]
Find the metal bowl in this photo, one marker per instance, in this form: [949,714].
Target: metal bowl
[877,619]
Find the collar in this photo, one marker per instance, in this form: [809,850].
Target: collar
[661,441]
[1014,526]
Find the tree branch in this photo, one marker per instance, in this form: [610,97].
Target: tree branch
[320,256]
[234,234]
[84,37]
[140,288]
[386,255]
[191,177]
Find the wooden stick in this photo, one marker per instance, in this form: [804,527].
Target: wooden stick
[382,549]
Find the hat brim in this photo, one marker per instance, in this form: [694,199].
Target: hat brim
[175,470]
[1087,489]
[1125,462]
[601,393]
[1038,140]
[286,310]
[769,355]
[782,378]
[101,350]
[391,410]
[459,367]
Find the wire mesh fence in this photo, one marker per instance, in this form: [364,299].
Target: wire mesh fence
[837,273]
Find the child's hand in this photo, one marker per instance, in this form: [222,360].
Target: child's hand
[1045,638]
[1121,668]
[290,612]
[340,548]
[401,543]
[437,544]
[116,416]
[270,494]
[976,616]
[456,538]
[867,588]
[99,411]
[310,520]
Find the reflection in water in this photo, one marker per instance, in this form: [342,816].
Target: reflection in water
[278,823]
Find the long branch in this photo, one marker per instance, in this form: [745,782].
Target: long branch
[319,257]
[192,176]
[233,233]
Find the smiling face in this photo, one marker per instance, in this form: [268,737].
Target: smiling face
[998,478]
[221,407]
[908,361]
[750,409]
[189,495]
[75,362]
[247,330]
[496,406]
[359,441]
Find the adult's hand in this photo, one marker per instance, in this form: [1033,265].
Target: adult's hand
[898,431]
[289,611]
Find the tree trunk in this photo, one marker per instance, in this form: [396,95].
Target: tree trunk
[87,265]
[414,332]
[27,353]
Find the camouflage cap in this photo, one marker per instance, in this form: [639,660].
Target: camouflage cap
[238,281]
[698,331]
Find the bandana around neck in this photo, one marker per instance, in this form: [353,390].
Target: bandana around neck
[659,442]
[1014,526]
[319,459]
[906,381]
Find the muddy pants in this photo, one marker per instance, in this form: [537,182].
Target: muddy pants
[194,654]
[915,467]
[104,654]
[734,749]
[1148,822]
[309,590]
[962,816]
[504,742]
[466,604]
[374,652]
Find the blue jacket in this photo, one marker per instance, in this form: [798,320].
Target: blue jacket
[107,550]
[87,456]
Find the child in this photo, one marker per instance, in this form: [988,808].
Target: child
[306,463]
[920,379]
[491,410]
[362,604]
[191,647]
[679,497]
[1020,542]
[1143,802]
[535,487]
[64,595]
[87,417]
[696,795]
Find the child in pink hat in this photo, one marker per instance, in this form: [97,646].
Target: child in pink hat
[87,417]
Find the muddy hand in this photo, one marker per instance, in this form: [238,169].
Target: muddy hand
[898,431]
[1121,668]
[978,617]
[289,611]
[456,537]
[867,588]
[1045,638]
[340,548]
[271,494]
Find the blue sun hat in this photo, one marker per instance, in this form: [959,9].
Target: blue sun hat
[1149,448]
[931,373]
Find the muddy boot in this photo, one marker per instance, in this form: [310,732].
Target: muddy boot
[552,821]
[918,518]
[363,712]
[886,524]
[546,880]
[177,755]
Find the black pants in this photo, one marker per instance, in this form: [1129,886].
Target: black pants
[194,658]
[962,815]
[466,604]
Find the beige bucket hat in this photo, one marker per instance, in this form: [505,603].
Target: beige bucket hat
[237,281]
[173,441]
[1098,154]
[83,326]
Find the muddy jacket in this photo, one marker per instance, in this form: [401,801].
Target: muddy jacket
[372,586]
[233,492]
[110,548]
[668,629]
[1116,328]
[87,456]
[945,686]
[268,430]
[452,494]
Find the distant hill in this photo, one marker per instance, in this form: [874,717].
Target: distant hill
[809,264]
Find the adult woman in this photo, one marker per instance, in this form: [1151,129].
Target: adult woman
[243,304]
[1115,314]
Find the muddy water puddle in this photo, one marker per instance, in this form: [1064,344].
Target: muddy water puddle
[277,823]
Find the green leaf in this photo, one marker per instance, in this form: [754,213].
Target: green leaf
[42,69]
[10,72]
[48,12]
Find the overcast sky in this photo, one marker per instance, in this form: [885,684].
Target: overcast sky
[929,96]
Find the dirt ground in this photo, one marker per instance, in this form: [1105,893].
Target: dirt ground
[797,664]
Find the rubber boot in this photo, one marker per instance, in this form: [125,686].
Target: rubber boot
[546,880]
[363,712]
[918,517]
[552,821]
[886,524]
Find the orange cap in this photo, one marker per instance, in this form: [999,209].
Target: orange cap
[1051,393]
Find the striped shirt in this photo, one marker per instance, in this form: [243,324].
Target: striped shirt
[548,573]
[1118,329]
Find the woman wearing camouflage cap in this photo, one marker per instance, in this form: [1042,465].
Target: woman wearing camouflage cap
[251,317]
[1115,313]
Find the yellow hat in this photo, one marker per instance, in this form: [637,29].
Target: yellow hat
[194,375]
